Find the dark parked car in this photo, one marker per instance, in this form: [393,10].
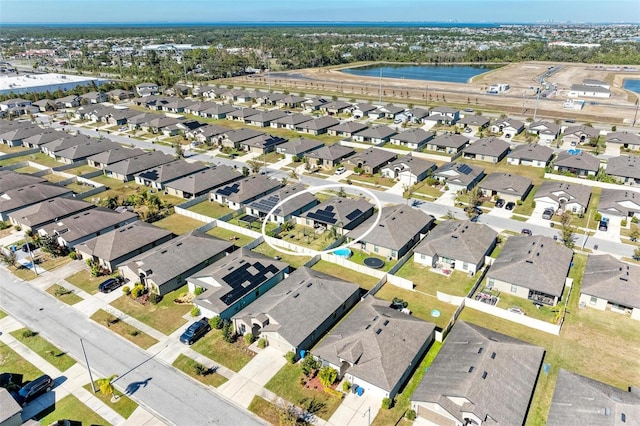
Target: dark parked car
[195,331]
[33,389]
[28,247]
[604,224]
[499,202]
[510,205]
[547,214]
[526,231]
[109,285]
[475,209]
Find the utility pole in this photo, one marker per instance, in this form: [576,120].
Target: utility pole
[586,235]
[636,114]
[369,413]
[535,111]
[86,360]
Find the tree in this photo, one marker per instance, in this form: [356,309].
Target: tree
[567,230]
[634,234]
[254,165]
[245,171]
[309,364]
[50,245]
[636,253]
[8,257]
[227,331]
[179,150]
[327,376]
[106,386]
[341,193]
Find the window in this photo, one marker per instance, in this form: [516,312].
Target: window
[394,253]
[514,288]
[490,283]
[465,266]
[593,300]
[308,222]
[375,249]
[423,257]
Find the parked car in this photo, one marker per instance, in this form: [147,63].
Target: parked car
[526,231]
[604,224]
[33,389]
[26,247]
[547,214]
[195,331]
[109,285]
[476,210]
[340,170]
[510,205]
[468,130]
[499,203]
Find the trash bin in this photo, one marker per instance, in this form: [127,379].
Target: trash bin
[360,391]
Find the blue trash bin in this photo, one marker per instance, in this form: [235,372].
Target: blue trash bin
[360,391]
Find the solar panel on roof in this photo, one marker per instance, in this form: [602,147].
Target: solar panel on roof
[242,282]
[464,169]
[266,204]
[354,214]
[323,217]
[228,190]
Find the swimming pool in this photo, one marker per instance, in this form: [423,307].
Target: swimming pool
[343,252]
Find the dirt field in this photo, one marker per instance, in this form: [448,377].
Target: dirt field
[519,100]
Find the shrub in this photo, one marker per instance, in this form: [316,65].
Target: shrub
[134,332]
[290,357]
[597,217]
[327,376]
[201,370]
[18,228]
[410,415]
[309,364]
[228,334]
[262,343]
[195,311]
[155,298]
[198,291]
[216,322]
[137,291]
[29,333]
[623,223]
[346,386]
[126,290]
[248,338]
[73,255]
[387,403]
[519,202]
[4,225]
[634,219]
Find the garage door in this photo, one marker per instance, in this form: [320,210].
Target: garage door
[434,417]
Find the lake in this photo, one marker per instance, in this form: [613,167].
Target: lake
[633,85]
[448,73]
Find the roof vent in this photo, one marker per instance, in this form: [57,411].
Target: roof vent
[480,350]
[493,355]
[367,327]
[296,295]
[471,369]
[378,331]
[386,322]
[484,374]
[607,411]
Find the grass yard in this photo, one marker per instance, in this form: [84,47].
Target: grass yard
[370,180]
[30,169]
[211,209]
[264,409]
[188,366]
[305,236]
[358,257]
[255,226]
[592,210]
[39,157]
[165,317]
[64,295]
[178,224]
[295,261]
[6,149]
[70,408]
[424,191]
[234,356]
[45,349]
[78,187]
[286,384]
[123,406]
[536,174]
[364,281]
[225,234]
[84,281]
[81,170]
[2,314]
[125,330]
[528,205]
[25,274]
[11,362]
[110,183]
[456,284]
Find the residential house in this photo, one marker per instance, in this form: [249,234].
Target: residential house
[237,95]
[344,214]
[610,284]
[623,140]
[335,107]
[546,131]
[45,105]
[262,144]
[376,347]
[579,134]
[71,101]
[234,281]
[314,104]
[112,156]
[80,227]
[147,89]
[294,207]
[507,127]
[140,121]
[158,177]
[391,111]
[15,199]
[242,114]
[84,150]
[39,139]
[372,160]
[479,377]
[35,216]
[207,134]
[459,176]
[120,117]
[290,121]
[68,141]
[189,125]
[531,154]
[409,169]
[362,110]
[119,245]
[264,118]
[450,144]
[510,187]
[414,139]
[218,111]
[10,410]
[94,98]
[196,108]
[317,126]
[14,136]
[581,164]
[158,125]
[16,107]
[238,194]
[399,229]
[233,138]
[13,180]
[579,400]
[619,203]
[203,182]
[531,267]
[126,169]
[474,123]
[490,149]
[625,168]
[563,196]
[378,135]
[295,314]
[290,101]
[166,267]
[296,149]
[461,246]
[270,98]
[443,115]
[120,95]
[417,114]
[328,157]
[346,129]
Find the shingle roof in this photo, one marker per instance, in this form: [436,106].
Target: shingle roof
[613,280]
[12,180]
[619,202]
[299,146]
[83,224]
[243,113]
[266,116]
[248,188]
[532,151]
[624,166]
[488,146]
[580,130]
[67,141]
[26,195]
[461,172]
[417,166]
[474,120]
[243,134]
[114,155]
[139,163]
[266,203]
[507,183]
[49,210]
[450,141]
[219,109]
[545,127]
[332,152]
[171,171]
[623,138]
[465,241]
[583,160]
[495,373]
[379,342]
[509,122]
[338,210]
[87,149]
[558,191]
[293,119]
[416,136]
[578,400]
[20,133]
[300,304]
[378,132]
[534,262]
[348,127]
[206,180]
[319,123]
[47,136]
[373,157]
[444,110]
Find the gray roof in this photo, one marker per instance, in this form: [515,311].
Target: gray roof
[611,279]
[263,141]
[474,120]
[545,127]
[532,151]
[49,211]
[243,113]
[172,171]
[582,130]
[26,195]
[219,109]
[293,119]
[338,210]
[114,155]
[373,157]
[495,373]
[365,107]
[348,127]
[47,136]
[621,137]
[571,192]
[266,116]
[290,99]
[300,304]
[418,112]
[509,122]
[490,146]
[299,146]
[450,141]
[233,277]
[534,262]
[123,241]
[65,142]
[87,149]
[581,401]
[624,166]
[20,133]
[266,203]
[465,241]
[178,256]
[319,123]
[336,105]
[332,152]
[379,342]
[163,121]
[444,110]
[398,225]
[209,130]
[243,134]
[589,88]
[583,160]
[416,165]
[206,180]
[248,188]
[416,136]
[619,202]
[391,109]
[460,172]
[378,132]
[13,180]
[9,407]
[83,224]
[133,165]
[141,118]
[507,183]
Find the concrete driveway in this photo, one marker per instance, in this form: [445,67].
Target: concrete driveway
[613,231]
[356,410]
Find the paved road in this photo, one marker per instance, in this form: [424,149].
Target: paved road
[170,395]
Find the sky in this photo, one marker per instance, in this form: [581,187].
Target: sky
[155,11]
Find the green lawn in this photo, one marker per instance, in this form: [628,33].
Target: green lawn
[178,224]
[358,257]
[70,408]
[370,180]
[211,209]
[39,157]
[264,409]
[286,384]
[536,174]
[44,261]
[123,406]
[589,216]
[165,317]
[45,349]
[188,366]
[6,149]
[2,314]
[65,295]
[84,281]
[233,356]
[125,330]
[225,234]
[422,190]
[11,362]
[295,261]
[81,170]
[306,236]
[255,226]
[457,283]
[528,205]
[108,182]
[30,169]
[364,281]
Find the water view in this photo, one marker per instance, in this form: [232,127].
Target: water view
[633,85]
[448,73]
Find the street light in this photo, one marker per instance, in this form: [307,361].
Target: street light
[369,413]
[86,360]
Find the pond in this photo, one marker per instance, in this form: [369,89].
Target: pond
[448,73]
[633,85]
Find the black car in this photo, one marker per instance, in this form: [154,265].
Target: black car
[603,225]
[195,331]
[26,247]
[109,285]
[510,205]
[33,389]
[499,202]
[476,210]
